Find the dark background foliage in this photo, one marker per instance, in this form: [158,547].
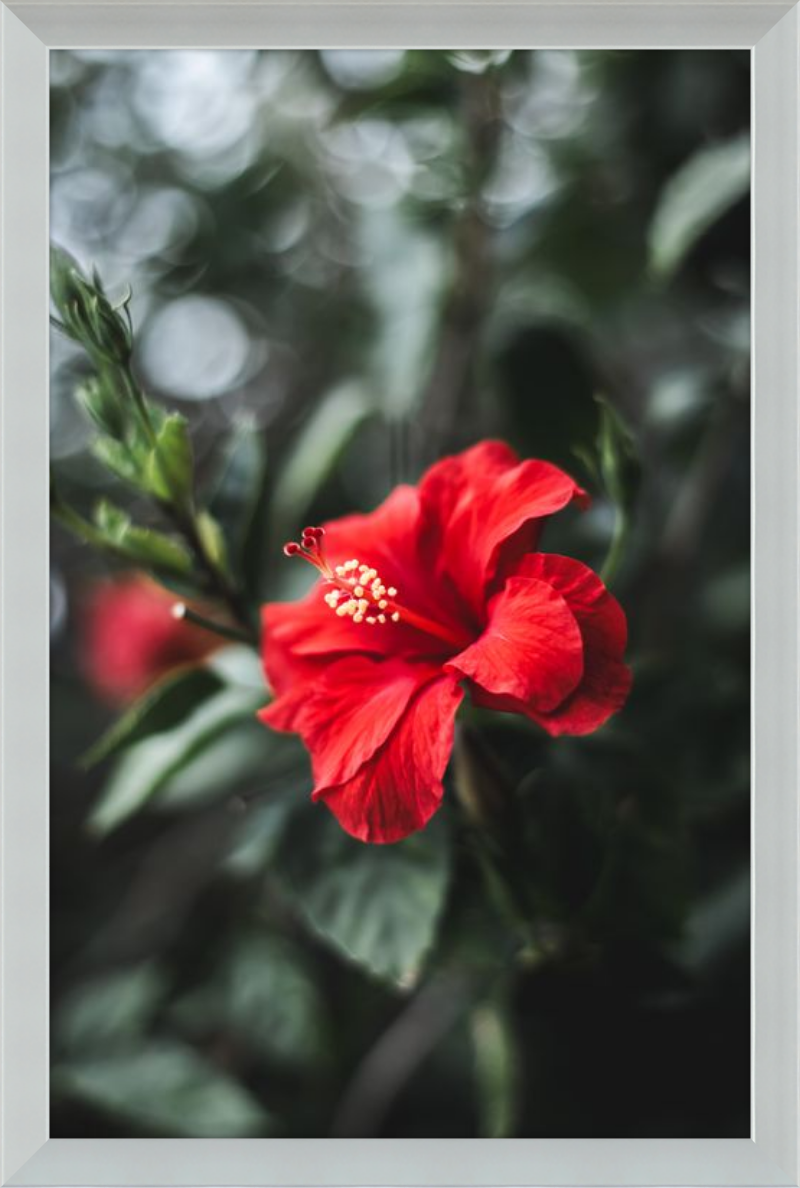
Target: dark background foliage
[344,265]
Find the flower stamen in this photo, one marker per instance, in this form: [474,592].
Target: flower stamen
[358,592]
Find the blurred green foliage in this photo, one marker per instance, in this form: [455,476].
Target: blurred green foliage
[344,264]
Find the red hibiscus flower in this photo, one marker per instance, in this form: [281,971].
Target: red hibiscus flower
[440,589]
[131,638]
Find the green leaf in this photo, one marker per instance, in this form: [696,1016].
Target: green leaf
[236,491]
[170,466]
[264,994]
[238,664]
[164,1089]
[146,767]
[164,705]
[317,450]
[87,316]
[379,906]
[213,540]
[110,1011]
[620,469]
[64,272]
[496,1072]
[234,761]
[284,790]
[120,459]
[143,546]
[703,189]
[100,401]
[147,547]
[263,828]
[407,282]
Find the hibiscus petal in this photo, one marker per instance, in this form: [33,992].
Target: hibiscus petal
[298,639]
[384,538]
[400,788]
[531,649]
[348,711]
[390,540]
[482,503]
[297,635]
[606,679]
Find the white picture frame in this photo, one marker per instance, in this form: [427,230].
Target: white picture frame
[28,30]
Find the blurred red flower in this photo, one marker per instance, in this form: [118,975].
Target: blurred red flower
[440,587]
[131,637]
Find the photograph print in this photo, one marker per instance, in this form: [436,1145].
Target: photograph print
[400,594]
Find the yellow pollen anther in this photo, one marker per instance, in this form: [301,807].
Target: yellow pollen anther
[354,590]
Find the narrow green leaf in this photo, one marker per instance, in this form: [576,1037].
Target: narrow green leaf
[213,540]
[119,458]
[157,551]
[111,520]
[142,546]
[620,469]
[702,190]
[100,401]
[170,466]
[317,449]
[407,283]
[64,272]
[379,906]
[145,768]
[496,1072]
[163,706]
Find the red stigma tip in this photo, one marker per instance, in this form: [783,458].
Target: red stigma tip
[292,549]
[314,533]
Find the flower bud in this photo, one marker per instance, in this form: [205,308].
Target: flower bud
[86,314]
[130,637]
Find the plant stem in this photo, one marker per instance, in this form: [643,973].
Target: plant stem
[186,523]
[451,382]
[181,611]
[494,834]
[218,582]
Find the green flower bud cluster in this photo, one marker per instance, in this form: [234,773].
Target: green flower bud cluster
[85,313]
[141,444]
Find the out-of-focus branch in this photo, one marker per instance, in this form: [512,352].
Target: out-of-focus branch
[450,383]
[396,1056]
